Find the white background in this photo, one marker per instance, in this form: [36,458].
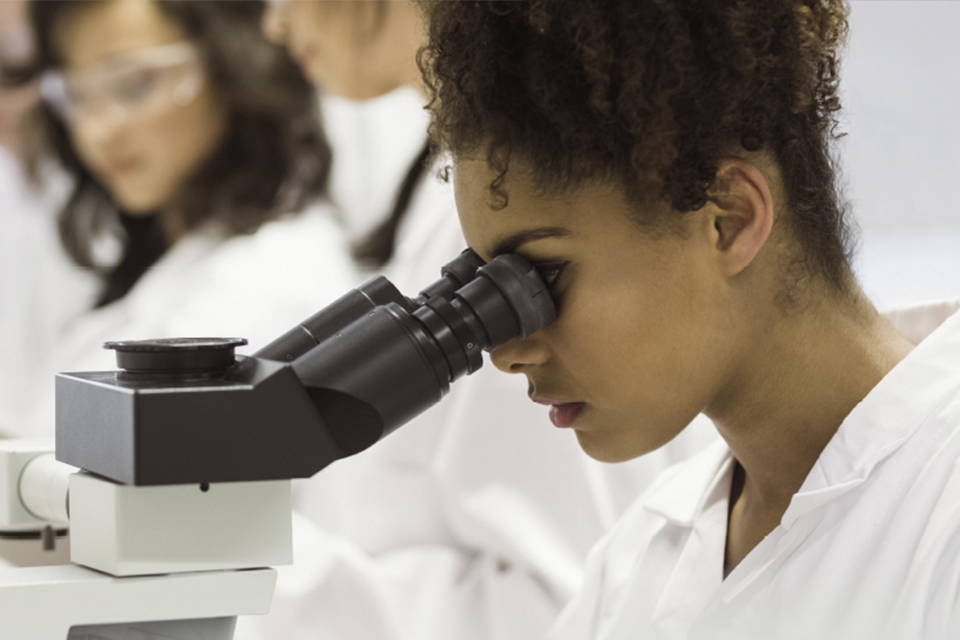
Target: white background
[901,90]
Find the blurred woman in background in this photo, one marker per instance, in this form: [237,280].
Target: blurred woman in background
[191,143]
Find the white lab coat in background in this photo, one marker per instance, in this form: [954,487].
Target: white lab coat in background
[374,141]
[869,548]
[473,520]
[40,289]
[253,286]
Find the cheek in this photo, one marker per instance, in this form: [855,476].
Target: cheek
[640,340]
[641,359]
[323,43]
[179,142]
[170,148]
[86,145]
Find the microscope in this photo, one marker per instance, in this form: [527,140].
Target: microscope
[174,472]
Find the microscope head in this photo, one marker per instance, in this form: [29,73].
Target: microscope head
[189,411]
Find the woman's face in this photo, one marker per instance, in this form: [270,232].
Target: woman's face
[644,332]
[141,114]
[357,49]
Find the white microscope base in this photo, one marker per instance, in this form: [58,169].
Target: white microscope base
[43,603]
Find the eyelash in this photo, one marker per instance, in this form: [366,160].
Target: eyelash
[551,272]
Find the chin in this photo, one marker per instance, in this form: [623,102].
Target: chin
[138,211]
[135,204]
[611,449]
[603,449]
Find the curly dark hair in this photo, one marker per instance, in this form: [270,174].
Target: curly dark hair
[273,159]
[650,94]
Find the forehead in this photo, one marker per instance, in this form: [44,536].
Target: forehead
[487,224]
[90,33]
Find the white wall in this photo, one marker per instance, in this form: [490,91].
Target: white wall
[901,91]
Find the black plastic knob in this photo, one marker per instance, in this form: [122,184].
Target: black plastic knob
[176,355]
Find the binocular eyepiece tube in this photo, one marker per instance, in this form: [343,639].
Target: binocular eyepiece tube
[375,359]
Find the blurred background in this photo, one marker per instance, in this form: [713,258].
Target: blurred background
[901,88]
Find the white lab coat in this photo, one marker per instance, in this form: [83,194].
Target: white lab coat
[374,141]
[869,548]
[472,521]
[253,286]
[40,289]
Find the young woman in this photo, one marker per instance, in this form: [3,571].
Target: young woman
[446,529]
[669,163]
[191,141]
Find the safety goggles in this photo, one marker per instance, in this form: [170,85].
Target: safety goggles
[127,88]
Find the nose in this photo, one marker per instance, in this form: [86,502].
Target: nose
[519,355]
[274,24]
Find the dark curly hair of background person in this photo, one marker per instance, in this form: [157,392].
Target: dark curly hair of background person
[650,93]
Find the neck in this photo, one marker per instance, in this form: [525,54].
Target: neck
[174,227]
[804,375]
[803,378]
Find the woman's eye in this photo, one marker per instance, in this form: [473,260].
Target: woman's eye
[550,273]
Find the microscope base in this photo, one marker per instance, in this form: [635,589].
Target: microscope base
[44,603]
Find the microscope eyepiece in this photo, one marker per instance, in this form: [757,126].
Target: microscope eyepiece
[456,273]
[520,288]
[395,362]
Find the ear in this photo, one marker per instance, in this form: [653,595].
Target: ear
[743,213]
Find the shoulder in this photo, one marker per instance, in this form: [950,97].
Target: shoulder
[916,322]
[930,594]
[309,242]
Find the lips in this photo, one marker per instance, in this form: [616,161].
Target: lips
[562,414]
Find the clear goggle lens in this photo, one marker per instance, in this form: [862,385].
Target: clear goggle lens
[130,87]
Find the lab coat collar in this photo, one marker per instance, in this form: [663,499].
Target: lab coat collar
[681,494]
[886,418]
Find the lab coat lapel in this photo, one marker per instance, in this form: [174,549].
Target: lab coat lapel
[876,428]
[698,573]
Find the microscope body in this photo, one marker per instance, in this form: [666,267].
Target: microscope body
[186,454]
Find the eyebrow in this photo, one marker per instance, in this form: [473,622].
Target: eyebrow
[511,243]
